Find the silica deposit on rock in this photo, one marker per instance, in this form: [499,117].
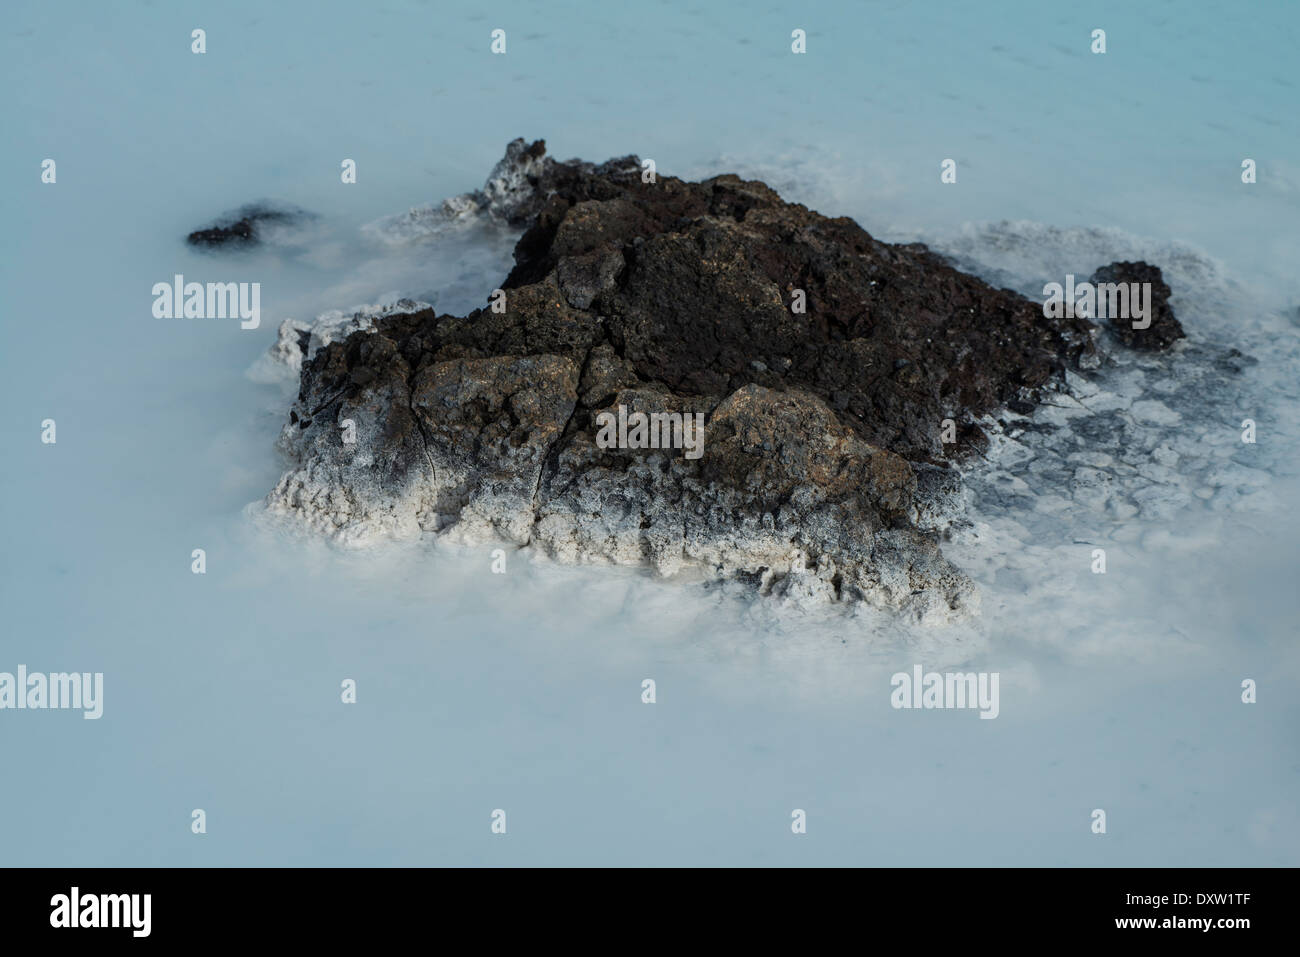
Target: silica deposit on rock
[838,377]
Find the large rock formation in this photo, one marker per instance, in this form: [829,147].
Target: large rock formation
[836,375]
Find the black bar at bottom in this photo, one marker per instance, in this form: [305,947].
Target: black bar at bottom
[335,906]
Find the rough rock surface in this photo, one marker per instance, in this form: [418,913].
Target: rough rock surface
[297,341]
[823,474]
[245,226]
[1164,329]
[513,194]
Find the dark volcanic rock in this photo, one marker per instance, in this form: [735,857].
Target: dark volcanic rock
[245,226]
[1164,329]
[825,364]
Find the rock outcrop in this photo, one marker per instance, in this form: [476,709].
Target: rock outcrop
[837,376]
[1164,330]
[246,226]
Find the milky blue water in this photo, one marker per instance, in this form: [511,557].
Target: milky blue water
[523,691]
